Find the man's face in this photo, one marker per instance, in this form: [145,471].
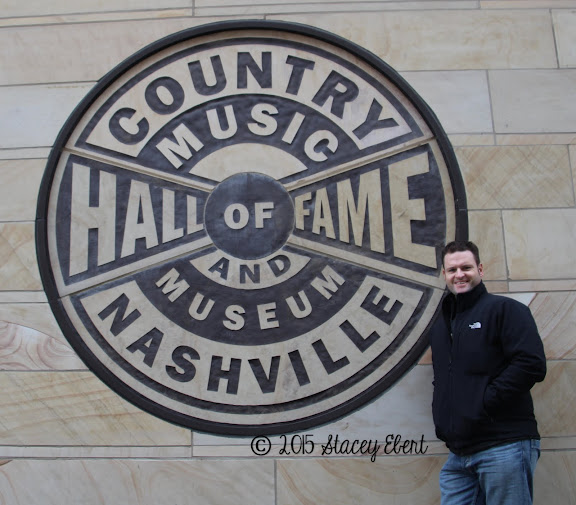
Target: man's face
[461,272]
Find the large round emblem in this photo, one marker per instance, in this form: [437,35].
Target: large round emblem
[239,228]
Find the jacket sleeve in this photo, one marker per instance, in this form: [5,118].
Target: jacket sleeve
[524,358]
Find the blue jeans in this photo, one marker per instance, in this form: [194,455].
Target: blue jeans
[502,475]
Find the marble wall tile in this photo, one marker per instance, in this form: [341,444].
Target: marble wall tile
[75,408]
[554,400]
[540,243]
[546,285]
[447,40]
[32,315]
[18,268]
[533,101]
[558,443]
[554,479]
[497,286]
[19,184]
[516,176]
[200,4]
[459,99]
[23,297]
[402,481]
[208,8]
[26,153]
[565,31]
[66,53]
[525,298]
[531,139]
[483,139]
[14,8]
[555,314]
[487,233]
[93,482]
[23,348]
[527,4]
[572,151]
[89,452]
[31,116]
[94,17]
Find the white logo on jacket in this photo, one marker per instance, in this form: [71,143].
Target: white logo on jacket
[475,326]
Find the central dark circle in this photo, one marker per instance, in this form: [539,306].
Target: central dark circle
[249,216]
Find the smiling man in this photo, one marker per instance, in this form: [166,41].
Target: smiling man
[487,354]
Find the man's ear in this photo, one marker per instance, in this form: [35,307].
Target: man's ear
[481,270]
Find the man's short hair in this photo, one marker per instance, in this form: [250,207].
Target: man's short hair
[461,246]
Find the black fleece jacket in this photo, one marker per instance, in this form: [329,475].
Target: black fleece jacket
[487,354]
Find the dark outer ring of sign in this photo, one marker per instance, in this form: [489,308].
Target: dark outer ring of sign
[44,263]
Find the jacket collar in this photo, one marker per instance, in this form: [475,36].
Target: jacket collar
[465,300]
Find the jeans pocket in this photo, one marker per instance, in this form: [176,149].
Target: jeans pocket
[535,450]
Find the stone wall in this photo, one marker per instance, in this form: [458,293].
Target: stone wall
[501,77]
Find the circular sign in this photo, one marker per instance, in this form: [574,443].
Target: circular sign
[239,228]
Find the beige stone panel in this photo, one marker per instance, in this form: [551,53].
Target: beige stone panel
[527,4]
[32,315]
[554,479]
[448,40]
[556,443]
[27,153]
[533,101]
[528,139]
[210,8]
[104,482]
[94,17]
[459,99]
[402,481]
[78,52]
[32,116]
[15,8]
[555,314]
[554,400]
[483,139]
[525,298]
[151,452]
[18,268]
[572,151]
[497,286]
[516,176]
[540,244]
[201,4]
[552,285]
[19,184]
[75,408]
[23,348]
[565,31]
[487,233]
[23,297]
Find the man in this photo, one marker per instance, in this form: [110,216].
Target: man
[487,354]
